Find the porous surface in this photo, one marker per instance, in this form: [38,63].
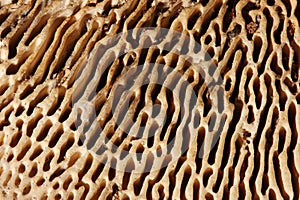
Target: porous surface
[45,152]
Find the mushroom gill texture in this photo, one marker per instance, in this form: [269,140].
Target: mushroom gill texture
[149,99]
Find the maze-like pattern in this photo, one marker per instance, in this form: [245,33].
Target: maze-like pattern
[44,50]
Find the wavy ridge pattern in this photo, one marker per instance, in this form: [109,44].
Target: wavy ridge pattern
[43,46]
